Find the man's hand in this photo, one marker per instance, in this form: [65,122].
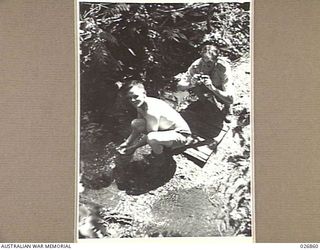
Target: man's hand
[196,79]
[122,148]
[125,149]
[206,81]
[201,79]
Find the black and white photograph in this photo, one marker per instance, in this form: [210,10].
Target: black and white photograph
[165,119]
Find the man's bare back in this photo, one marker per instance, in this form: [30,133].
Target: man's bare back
[159,116]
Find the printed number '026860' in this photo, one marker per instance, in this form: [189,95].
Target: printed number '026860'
[308,245]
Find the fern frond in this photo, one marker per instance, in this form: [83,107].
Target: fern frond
[101,53]
[115,10]
[108,37]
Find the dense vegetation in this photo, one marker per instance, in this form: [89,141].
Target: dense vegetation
[151,42]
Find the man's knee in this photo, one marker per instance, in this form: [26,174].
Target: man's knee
[138,125]
[154,141]
[152,138]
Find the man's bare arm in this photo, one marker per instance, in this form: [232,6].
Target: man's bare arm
[225,95]
[187,80]
[132,137]
[138,144]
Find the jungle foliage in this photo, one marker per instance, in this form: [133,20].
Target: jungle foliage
[152,42]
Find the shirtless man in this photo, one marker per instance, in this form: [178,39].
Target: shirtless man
[158,123]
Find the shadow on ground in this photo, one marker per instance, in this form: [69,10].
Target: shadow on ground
[134,174]
[139,177]
[204,118]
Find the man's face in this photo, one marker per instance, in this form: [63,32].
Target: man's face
[136,96]
[207,56]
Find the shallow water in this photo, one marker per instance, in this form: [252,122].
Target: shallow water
[183,213]
[186,213]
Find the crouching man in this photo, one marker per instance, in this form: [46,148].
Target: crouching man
[157,124]
[210,78]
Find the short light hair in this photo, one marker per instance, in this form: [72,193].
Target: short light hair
[130,84]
